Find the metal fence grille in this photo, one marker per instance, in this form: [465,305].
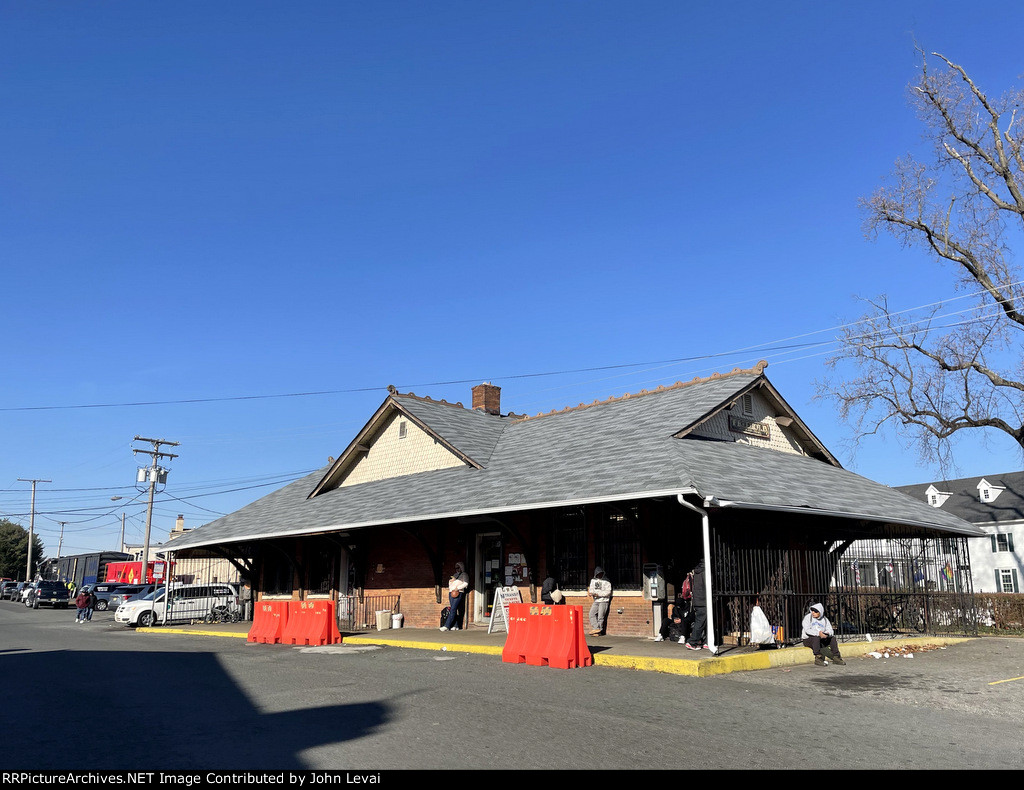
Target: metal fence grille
[880,585]
[361,615]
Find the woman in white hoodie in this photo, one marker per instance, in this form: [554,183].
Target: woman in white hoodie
[819,635]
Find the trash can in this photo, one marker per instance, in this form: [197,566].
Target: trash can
[383,619]
[396,620]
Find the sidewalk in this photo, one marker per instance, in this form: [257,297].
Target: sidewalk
[624,652]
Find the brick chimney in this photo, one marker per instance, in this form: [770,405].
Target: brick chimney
[487,397]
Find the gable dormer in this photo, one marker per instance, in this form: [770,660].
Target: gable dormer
[987,492]
[757,415]
[394,443]
[936,498]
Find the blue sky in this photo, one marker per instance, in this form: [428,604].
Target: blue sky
[212,201]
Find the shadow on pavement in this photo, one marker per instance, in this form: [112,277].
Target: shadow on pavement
[130,710]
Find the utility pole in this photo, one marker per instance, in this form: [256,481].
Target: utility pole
[31,523]
[155,473]
[61,541]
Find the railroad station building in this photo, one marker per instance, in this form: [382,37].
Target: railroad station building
[718,467]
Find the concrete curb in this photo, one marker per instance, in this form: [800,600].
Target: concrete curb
[455,647]
[189,631]
[705,665]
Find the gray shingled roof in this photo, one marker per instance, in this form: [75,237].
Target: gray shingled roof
[607,452]
[964,502]
[473,432]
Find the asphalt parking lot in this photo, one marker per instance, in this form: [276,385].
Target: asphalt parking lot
[227,703]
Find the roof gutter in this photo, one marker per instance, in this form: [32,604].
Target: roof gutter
[180,543]
[706,529]
[969,531]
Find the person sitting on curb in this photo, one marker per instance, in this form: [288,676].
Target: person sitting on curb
[819,635]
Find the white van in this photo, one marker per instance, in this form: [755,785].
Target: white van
[188,602]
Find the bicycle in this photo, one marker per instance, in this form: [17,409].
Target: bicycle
[221,614]
[895,614]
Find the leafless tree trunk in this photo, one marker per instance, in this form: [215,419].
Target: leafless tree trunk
[957,368]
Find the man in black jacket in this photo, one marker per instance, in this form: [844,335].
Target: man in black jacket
[700,609]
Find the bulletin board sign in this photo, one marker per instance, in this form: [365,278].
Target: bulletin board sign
[503,596]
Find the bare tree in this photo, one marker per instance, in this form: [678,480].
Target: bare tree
[955,369]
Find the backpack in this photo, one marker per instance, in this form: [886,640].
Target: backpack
[686,593]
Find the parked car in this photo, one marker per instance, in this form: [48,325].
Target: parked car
[13,592]
[48,593]
[128,592]
[104,591]
[188,602]
[7,589]
[25,591]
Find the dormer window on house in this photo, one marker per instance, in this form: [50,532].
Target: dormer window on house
[988,492]
[936,498]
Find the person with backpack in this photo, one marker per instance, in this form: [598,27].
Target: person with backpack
[458,589]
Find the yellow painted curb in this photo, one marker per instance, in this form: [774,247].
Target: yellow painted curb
[442,646]
[704,666]
[190,631]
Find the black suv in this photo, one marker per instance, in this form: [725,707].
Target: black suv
[53,594]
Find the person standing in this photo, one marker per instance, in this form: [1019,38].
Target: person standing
[90,604]
[698,590]
[819,635]
[600,590]
[548,592]
[245,599]
[458,588]
[81,602]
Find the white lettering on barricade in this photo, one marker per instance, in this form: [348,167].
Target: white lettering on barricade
[503,596]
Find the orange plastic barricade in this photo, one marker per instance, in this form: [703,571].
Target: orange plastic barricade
[542,635]
[294,632]
[583,656]
[268,622]
[538,634]
[318,624]
[514,651]
[560,649]
[311,623]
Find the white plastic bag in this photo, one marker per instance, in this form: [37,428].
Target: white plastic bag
[760,628]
